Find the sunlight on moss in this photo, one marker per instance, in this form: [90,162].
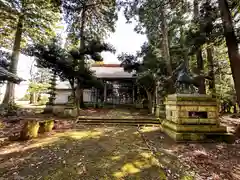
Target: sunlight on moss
[146,154]
[40,142]
[162,175]
[150,157]
[35,144]
[149,129]
[116,158]
[187,178]
[128,168]
[83,134]
[145,161]
[119,174]
[142,164]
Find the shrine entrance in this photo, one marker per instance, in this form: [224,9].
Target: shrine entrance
[115,92]
[119,92]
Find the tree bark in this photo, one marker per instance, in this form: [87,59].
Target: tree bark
[71,82]
[211,70]
[31,98]
[165,49]
[232,44]
[200,64]
[78,98]
[9,96]
[150,102]
[79,94]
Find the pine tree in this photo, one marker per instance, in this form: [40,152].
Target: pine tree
[25,21]
[232,44]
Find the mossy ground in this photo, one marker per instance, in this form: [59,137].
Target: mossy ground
[83,152]
[90,152]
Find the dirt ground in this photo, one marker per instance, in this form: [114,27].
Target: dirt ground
[87,152]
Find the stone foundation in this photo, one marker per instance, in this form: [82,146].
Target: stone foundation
[192,117]
[62,110]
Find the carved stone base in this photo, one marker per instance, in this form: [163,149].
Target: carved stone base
[198,137]
[191,117]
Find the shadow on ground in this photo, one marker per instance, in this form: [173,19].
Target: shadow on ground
[91,152]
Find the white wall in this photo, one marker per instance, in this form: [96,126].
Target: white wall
[62,96]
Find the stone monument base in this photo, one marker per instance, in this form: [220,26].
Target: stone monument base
[191,117]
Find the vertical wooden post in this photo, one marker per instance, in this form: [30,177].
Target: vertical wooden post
[105,92]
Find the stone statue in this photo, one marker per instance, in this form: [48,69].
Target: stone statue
[188,83]
[184,83]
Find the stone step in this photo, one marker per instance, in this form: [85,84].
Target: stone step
[116,123]
[195,128]
[119,121]
[199,136]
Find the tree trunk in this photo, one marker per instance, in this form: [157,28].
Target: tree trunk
[78,98]
[200,64]
[31,98]
[39,97]
[82,46]
[34,97]
[211,70]
[150,102]
[231,41]
[71,82]
[81,98]
[165,48]
[10,89]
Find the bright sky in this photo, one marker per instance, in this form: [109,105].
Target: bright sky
[124,40]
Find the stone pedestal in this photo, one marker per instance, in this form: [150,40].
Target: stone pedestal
[191,117]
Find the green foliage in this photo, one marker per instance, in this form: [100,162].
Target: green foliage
[4,62]
[43,100]
[91,19]
[70,64]
[185,37]
[39,20]
[11,109]
[38,87]
[5,75]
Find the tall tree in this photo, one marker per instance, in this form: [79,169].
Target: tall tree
[232,44]
[200,62]
[88,20]
[25,21]
[161,22]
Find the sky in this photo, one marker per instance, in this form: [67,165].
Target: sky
[124,39]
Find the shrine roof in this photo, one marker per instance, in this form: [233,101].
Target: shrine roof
[104,71]
[110,71]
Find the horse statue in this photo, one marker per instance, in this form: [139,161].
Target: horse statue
[188,83]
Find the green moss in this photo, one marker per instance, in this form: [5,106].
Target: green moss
[162,175]
[187,177]
[29,130]
[46,126]
[194,128]
[1,125]
[191,98]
